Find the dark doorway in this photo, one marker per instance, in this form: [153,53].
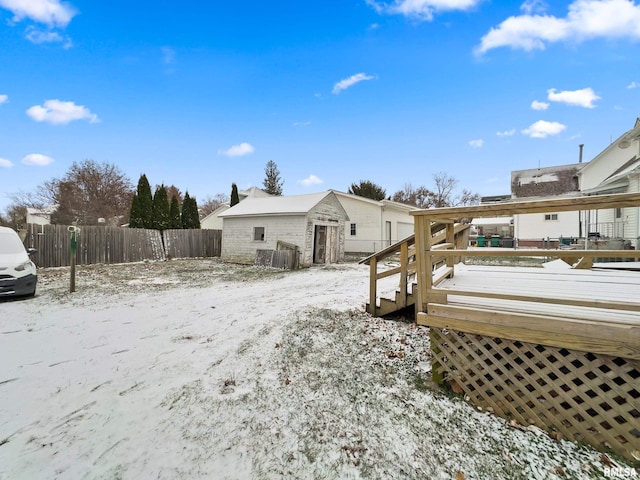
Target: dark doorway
[320,244]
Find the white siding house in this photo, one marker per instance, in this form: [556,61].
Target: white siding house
[542,183]
[374,225]
[614,170]
[313,223]
[40,216]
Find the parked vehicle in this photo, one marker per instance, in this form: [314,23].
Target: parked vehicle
[17,271]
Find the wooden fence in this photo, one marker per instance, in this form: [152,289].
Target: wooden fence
[192,243]
[97,244]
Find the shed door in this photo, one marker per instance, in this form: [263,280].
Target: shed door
[320,244]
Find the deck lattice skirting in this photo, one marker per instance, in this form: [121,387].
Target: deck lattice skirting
[586,397]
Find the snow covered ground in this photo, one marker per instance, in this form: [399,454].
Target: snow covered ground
[197,369]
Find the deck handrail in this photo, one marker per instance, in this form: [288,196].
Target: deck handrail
[405,249]
[569,204]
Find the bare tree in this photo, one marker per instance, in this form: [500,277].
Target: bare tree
[444,190]
[16,212]
[16,216]
[210,204]
[88,192]
[443,195]
[467,197]
[173,191]
[420,197]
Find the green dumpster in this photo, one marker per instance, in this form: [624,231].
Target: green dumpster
[495,241]
[481,242]
[565,241]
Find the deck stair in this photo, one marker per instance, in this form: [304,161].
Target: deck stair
[399,260]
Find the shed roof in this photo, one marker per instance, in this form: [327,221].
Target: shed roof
[379,203]
[253,192]
[290,205]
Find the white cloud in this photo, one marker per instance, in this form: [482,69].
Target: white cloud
[4,163]
[38,36]
[506,133]
[633,85]
[421,9]
[581,98]
[168,55]
[49,12]
[349,82]
[238,150]
[476,143]
[4,99]
[311,180]
[37,159]
[543,129]
[58,112]
[536,105]
[301,124]
[586,19]
[533,6]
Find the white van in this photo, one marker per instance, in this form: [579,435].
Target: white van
[17,272]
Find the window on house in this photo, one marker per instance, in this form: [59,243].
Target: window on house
[551,216]
[353,229]
[618,213]
[258,234]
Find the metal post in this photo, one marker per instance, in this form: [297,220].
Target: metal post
[74,247]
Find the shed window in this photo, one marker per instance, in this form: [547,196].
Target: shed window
[353,229]
[551,216]
[618,213]
[258,234]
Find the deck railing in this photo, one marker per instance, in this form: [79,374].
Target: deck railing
[426,253]
[571,367]
[403,254]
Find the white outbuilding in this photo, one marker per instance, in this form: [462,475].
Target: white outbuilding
[312,225]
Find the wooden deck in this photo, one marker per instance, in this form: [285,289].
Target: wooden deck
[558,348]
[593,310]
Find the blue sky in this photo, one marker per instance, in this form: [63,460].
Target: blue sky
[203,94]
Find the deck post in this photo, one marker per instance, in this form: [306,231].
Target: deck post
[404,266]
[418,233]
[373,273]
[450,238]
[424,273]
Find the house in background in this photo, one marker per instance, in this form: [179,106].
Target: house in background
[534,229]
[312,224]
[374,225]
[213,220]
[40,216]
[615,170]
[489,227]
